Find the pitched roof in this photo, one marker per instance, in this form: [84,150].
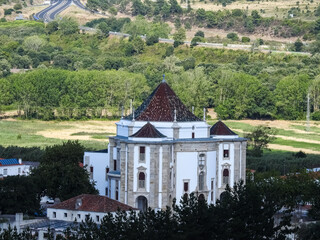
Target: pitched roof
[7,162]
[92,203]
[219,128]
[148,131]
[160,106]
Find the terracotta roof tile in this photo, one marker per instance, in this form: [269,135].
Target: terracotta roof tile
[219,128]
[160,106]
[92,203]
[148,131]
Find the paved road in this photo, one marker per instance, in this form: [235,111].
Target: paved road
[57,6]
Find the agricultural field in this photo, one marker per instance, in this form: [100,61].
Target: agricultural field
[290,135]
[34,133]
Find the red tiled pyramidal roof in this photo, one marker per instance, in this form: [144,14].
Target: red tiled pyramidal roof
[160,106]
[148,131]
[219,128]
[92,203]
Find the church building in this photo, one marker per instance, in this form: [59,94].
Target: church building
[163,151]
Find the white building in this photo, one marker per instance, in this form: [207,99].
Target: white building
[14,167]
[163,151]
[83,206]
[97,165]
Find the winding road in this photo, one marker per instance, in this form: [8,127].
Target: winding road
[49,14]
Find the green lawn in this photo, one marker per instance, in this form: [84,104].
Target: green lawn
[23,133]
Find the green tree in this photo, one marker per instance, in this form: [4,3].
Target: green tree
[68,26]
[59,174]
[52,27]
[34,43]
[19,194]
[180,35]
[4,68]
[259,139]
[290,96]
[298,45]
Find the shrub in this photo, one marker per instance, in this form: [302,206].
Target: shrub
[233,36]
[315,116]
[245,39]
[17,6]
[8,11]
[200,34]
[150,40]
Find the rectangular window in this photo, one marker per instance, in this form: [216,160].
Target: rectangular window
[79,216]
[91,172]
[211,190]
[54,214]
[186,186]
[65,214]
[193,135]
[115,165]
[117,190]
[142,155]
[5,172]
[97,218]
[226,153]
[107,171]
[107,191]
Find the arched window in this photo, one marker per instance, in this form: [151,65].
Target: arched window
[202,160]
[225,178]
[201,181]
[142,179]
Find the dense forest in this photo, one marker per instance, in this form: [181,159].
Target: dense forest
[76,75]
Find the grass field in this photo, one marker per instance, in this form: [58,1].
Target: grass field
[290,135]
[31,133]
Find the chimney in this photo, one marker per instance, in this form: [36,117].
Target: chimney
[78,203]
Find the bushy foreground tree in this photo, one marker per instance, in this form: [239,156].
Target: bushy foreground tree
[245,212]
[60,174]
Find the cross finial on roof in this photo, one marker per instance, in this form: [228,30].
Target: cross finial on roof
[163,79]
[132,113]
[204,114]
[175,115]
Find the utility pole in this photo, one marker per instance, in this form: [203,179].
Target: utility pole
[308,113]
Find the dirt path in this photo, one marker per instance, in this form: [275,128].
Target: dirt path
[291,149]
[108,127]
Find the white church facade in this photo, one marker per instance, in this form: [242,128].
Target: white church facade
[163,151]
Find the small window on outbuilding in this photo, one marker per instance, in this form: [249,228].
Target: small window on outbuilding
[186,186]
[65,215]
[54,215]
[98,218]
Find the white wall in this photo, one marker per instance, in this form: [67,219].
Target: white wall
[13,170]
[99,161]
[187,165]
[187,168]
[73,214]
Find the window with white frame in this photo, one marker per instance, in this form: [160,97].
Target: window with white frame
[142,153]
[202,160]
[225,177]
[142,180]
[201,181]
[226,151]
